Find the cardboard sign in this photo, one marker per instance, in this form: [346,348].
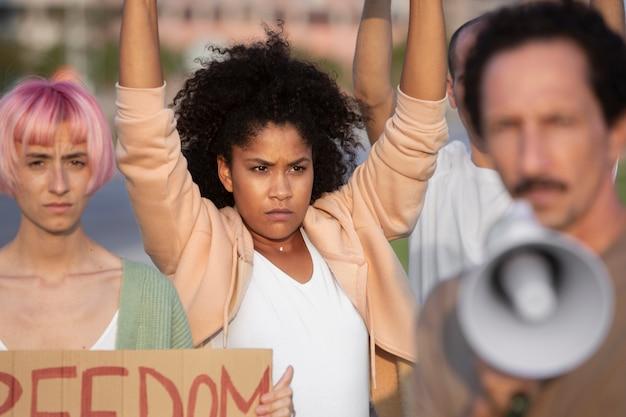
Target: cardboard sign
[174,383]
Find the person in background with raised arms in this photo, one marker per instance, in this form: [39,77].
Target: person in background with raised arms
[546,90]
[247,212]
[465,195]
[60,290]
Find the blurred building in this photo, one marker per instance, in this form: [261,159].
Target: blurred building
[324,28]
[311,11]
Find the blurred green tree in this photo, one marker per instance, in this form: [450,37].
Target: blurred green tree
[12,65]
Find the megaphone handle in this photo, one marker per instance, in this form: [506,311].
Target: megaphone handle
[519,405]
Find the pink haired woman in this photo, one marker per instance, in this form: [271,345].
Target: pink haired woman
[58,288]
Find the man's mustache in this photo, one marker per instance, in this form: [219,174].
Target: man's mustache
[532,184]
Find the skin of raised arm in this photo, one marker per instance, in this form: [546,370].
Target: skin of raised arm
[140,65]
[613,13]
[371,72]
[424,71]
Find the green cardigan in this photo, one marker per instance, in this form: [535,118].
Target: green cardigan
[150,313]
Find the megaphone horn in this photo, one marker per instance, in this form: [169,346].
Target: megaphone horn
[540,305]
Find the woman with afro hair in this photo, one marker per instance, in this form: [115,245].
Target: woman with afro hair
[240,195]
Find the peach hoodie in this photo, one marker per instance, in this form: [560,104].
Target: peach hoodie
[208,252]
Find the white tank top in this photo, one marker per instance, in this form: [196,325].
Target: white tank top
[105,342]
[313,327]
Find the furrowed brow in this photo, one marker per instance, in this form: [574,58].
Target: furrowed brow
[36,155]
[260,161]
[301,160]
[74,155]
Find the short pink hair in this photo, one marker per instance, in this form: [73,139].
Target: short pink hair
[31,114]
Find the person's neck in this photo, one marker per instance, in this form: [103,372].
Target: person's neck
[480,158]
[603,223]
[289,245]
[50,256]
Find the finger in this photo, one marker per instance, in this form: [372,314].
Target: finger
[283,412]
[275,395]
[274,406]
[283,383]
[480,408]
[286,379]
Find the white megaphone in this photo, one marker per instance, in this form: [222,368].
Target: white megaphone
[540,304]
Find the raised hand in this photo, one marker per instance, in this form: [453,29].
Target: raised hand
[279,401]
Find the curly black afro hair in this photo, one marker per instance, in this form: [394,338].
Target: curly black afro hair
[239,90]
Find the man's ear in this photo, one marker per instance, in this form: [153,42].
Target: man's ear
[617,139]
[450,91]
[223,171]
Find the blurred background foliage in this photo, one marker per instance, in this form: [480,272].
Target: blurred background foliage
[17,61]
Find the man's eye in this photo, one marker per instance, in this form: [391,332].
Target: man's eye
[560,120]
[506,124]
[36,164]
[502,126]
[260,168]
[298,168]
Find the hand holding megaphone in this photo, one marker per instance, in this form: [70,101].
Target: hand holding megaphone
[540,304]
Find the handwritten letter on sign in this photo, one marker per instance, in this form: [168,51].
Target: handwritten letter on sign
[175,383]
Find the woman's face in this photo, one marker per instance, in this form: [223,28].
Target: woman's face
[271,179]
[52,183]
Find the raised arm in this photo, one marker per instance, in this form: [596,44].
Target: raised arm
[424,71]
[371,70]
[166,202]
[388,189]
[140,65]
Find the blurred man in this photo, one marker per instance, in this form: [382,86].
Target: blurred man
[465,196]
[546,90]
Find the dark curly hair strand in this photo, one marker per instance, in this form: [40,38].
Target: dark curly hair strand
[236,94]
